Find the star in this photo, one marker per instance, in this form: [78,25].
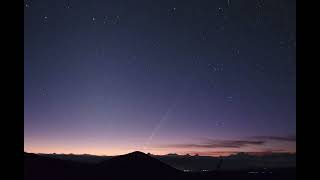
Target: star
[228,1]
[229,99]
[260,4]
[282,44]
[237,51]
[172,10]
[216,68]
[45,18]
[204,37]
[44,92]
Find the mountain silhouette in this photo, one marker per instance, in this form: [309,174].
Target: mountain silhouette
[40,167]
[138,165]
[135,165]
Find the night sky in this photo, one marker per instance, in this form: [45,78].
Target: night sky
[109,77]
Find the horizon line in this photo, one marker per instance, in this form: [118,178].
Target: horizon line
[223,154]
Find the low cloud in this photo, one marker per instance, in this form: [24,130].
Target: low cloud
[212,143]
[228,153]
[217,144]
[276,138]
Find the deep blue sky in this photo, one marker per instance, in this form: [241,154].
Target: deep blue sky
[108,77]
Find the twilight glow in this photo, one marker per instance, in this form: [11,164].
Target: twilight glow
[162,77]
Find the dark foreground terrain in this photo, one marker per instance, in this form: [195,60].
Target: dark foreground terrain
[136,165]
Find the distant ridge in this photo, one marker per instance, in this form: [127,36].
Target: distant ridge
[135,165]
[138,163]
[38,167]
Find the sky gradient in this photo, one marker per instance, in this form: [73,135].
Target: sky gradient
[111,77]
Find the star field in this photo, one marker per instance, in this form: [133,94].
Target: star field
[107,77]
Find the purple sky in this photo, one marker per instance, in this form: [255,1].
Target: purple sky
[110,77]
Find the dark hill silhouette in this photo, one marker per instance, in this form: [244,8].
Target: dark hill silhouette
[235,162]
[136,165]
[40,167]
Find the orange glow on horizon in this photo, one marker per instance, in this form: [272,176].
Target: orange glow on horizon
[115,152]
